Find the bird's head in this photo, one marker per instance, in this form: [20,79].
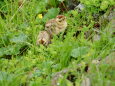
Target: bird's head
[60,18]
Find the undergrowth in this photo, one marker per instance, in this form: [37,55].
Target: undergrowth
[23,63]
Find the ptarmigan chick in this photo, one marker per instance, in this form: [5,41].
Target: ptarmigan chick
[43,38]
[52,27]
[57,25]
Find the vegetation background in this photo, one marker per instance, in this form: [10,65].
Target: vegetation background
[84,52]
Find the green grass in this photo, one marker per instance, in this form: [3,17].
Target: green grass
[23,63]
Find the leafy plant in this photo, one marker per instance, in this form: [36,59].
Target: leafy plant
[22,62]
[79,52]
[16,42]
[52,13]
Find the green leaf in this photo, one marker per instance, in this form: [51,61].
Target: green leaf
[19,39]
[52,13]
[52,3]
[5,76]
[69,83]
[10,50]
[41,7]
[7,79]
[79,51]
[104,5]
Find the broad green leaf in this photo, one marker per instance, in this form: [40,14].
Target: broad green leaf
[7,79]
[5,76]
[19,39]
[79,51]
[69,83]
[40,7]
[10,50]
[52,3]
[104,5]
[52,13]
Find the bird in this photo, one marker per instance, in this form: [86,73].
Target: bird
[43,38]
[56,25]
[52,27]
